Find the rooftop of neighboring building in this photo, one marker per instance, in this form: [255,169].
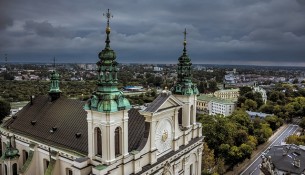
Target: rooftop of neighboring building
[227,90]
[259,114]
[287,158]
[210,97]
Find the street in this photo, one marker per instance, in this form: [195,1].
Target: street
[253,168]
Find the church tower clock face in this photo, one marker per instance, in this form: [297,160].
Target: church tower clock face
[163,138]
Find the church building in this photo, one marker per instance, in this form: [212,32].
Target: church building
[55,135]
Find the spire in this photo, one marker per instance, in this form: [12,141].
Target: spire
[184,85]
[54,91]
[107,98]
[184,42]
[108,16]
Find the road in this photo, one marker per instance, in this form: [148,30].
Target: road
[253,168]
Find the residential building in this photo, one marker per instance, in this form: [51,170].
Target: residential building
[212,105]
[56,135]
[231,94]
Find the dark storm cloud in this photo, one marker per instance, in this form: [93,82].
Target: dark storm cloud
[5,22]
[222,31]
[45,29]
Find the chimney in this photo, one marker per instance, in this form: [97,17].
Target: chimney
[297,162]
[31,98]
[284,152]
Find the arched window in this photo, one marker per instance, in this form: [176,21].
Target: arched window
[69,171]
[117,139]
[15,169]
[98,142]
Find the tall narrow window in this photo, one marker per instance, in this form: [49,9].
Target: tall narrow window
[180,116]
[98,141]
[117,139]
[5,169]
[15,169]
[25,155]
[191,169]
[191,115]
[45,164]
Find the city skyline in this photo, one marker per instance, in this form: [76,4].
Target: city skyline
[224,32]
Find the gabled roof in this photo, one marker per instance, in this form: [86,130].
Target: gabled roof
[164,101]
[63,123]
[136,130]
[55,123]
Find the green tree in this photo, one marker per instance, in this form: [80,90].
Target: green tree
[295,81]
[235,155]
[274,121]
[244,90]
[208,160]
[5,109]
[220,166]
[246,150]
[302,123]
[250,105]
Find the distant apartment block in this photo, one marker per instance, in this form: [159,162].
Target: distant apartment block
[209,104]
[231,94]
[158,69]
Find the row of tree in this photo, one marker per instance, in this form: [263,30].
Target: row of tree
[234,138]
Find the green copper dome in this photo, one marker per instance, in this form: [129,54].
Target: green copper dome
[54,86]
[107,97]
[54,91]
[184,85]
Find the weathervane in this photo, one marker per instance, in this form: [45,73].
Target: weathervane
[108,16]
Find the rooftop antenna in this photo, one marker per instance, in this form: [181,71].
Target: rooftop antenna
[5,58]
[54,63]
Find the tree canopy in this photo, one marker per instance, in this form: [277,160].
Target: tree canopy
[5,108]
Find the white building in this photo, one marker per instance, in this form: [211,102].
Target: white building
[212,105]
[60,136]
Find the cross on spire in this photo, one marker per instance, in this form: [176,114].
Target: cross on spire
[108,16]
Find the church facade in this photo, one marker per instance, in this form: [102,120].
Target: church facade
[105,135]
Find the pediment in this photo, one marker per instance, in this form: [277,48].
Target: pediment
[163,102]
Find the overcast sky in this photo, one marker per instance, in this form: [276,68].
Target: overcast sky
[260,32]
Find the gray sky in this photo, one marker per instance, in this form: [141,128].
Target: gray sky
[260,32]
